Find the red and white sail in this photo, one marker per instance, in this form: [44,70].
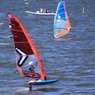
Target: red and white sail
[25,52]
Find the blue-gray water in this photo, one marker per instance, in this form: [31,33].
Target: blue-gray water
[71,59]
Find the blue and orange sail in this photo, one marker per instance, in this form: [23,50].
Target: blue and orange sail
[61,21]
[25,52]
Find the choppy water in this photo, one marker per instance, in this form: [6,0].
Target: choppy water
[71,59]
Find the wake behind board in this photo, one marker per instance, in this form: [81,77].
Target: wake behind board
[42,82]
[38,13]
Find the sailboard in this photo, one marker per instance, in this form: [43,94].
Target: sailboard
[61,21]
[42,82]
[28,61]
[38,13]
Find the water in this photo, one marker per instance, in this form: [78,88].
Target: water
[70,59]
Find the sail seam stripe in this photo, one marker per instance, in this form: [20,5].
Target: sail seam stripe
[61,8]
[17,30]
[20,42]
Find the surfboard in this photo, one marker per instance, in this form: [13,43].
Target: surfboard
[42,82]
[38,13]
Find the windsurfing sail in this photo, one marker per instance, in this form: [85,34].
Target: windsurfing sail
[25,52]
[61,21]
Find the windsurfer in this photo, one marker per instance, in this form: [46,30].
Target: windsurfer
[31,67]
[31,70]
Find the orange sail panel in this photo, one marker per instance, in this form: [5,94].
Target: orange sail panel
[61,21]
[27,59]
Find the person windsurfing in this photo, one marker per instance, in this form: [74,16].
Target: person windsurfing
[31,67]
[31,70]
